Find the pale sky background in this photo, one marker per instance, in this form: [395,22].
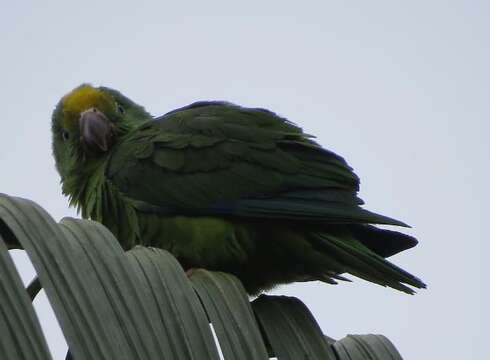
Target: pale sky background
[399,88]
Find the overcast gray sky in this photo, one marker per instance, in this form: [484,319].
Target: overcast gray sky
[399,88]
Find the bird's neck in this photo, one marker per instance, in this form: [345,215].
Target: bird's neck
[84,186]
[96,198]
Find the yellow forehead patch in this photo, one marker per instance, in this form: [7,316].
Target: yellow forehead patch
[83,98]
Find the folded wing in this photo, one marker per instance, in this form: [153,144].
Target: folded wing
[214,158]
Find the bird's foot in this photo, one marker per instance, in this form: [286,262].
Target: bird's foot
[189,272]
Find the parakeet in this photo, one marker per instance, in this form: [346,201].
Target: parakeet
[222,187]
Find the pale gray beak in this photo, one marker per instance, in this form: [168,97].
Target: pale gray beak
[96,130]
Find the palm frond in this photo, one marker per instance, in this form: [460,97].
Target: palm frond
[140,304]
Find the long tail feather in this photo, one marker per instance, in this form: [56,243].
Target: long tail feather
[359,260]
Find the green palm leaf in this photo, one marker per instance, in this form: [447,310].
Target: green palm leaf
[361,347]
[291,329]
[140,304]
[228,309]
[20,333]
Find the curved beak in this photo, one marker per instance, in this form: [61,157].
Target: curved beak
[96,130]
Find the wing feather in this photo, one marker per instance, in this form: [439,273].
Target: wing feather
[214,158]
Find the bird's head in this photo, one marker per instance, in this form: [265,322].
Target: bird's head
[87,123]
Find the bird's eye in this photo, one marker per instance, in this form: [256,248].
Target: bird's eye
[120,108]
[65,135]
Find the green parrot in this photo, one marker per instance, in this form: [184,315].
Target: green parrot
[222,187]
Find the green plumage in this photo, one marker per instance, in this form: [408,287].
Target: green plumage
[226,188]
